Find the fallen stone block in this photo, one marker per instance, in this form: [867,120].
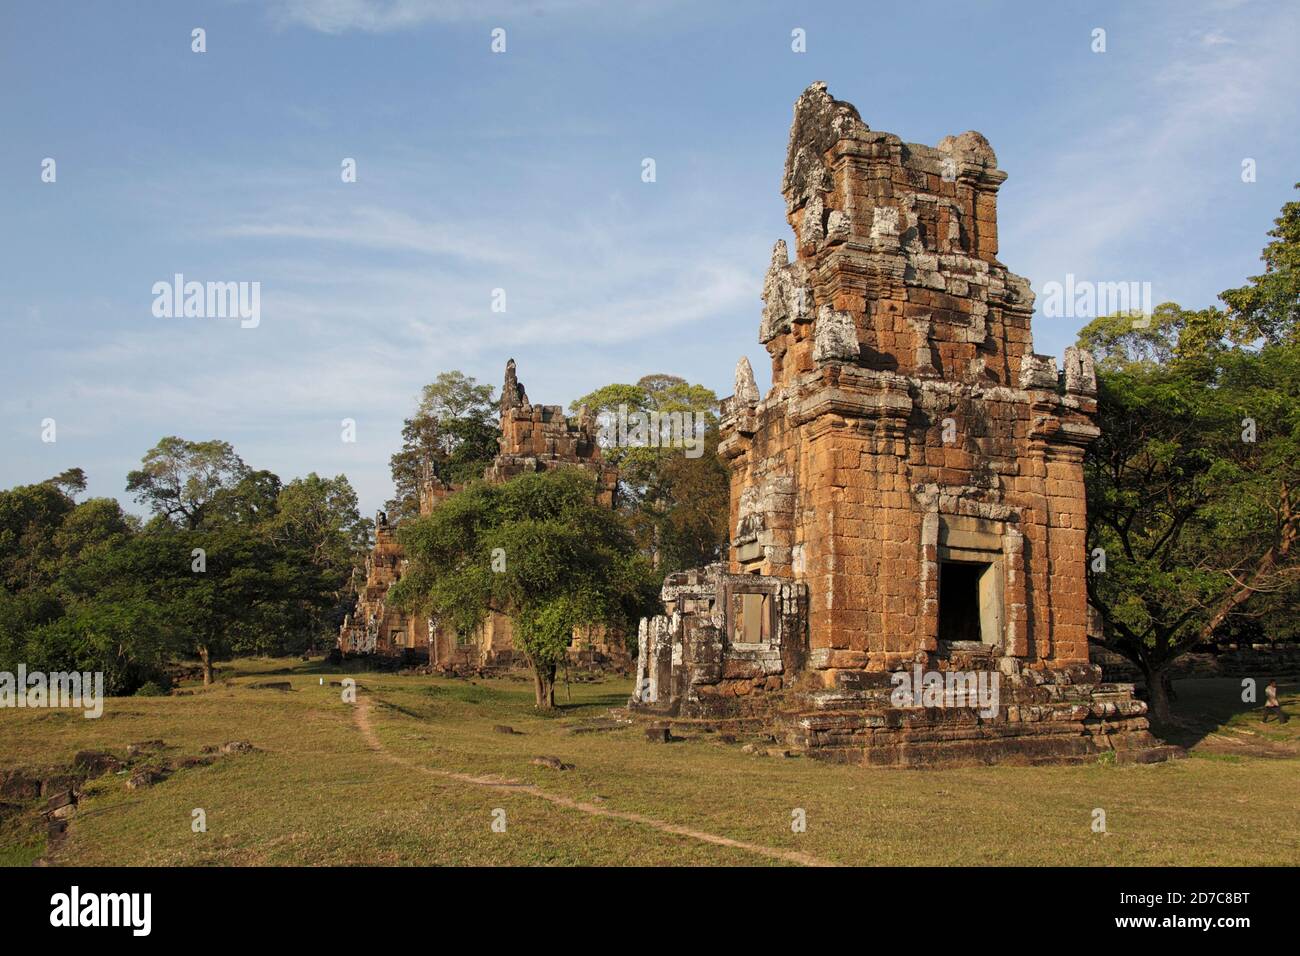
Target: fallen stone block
[96,763]
[61,799]
[144,747]
[56,782]
[144,777]
[187,762]
[554,763]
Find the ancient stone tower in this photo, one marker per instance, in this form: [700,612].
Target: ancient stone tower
[534,438]
[915,462]
[910,491]
[540,437]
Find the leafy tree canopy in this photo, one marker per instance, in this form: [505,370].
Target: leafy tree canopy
[677,504]
[452,436]
[178,479]
[563,561]
[1192,485]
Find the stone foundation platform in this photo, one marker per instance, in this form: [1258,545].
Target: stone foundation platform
[1042,717]
[1040,723]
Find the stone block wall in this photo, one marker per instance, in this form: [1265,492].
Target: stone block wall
[699,658]
[375,626]
[539,437]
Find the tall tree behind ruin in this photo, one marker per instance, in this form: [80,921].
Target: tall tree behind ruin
[321,517]
[452,436]
[676,504]
[1193,486]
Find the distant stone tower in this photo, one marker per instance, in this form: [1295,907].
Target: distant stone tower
[910,491]
[540,438]
[534,438]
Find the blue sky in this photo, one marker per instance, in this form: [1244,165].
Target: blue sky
[522,171]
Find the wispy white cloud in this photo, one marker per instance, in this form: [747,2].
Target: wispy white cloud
[1103,207]
[383,16]
[363,303]
[376,229]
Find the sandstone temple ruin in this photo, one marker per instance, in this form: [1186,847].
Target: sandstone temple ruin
[907,501]
[533,438]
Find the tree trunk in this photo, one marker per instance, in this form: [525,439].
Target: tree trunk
[1160,692]
[206,657]
[656,535]
[544,685]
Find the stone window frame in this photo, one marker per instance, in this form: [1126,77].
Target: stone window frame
[772,591]
[994,614]
[954,536]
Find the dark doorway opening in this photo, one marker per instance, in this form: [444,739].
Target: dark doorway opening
[959,600]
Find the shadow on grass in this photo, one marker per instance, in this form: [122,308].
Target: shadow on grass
[1206,706]
[602,701]
[398,708]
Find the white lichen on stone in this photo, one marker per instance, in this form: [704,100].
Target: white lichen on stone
[835,337]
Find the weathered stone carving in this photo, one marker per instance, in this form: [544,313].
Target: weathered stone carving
[746,387]
[512,390]
[785,296]
[819,122]
[835,338]
[1080,372]
[1038,371]
[725,640]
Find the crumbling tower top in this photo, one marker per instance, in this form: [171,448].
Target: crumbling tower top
[540,437]
[895,262]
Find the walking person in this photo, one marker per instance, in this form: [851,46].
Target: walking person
[1271,705]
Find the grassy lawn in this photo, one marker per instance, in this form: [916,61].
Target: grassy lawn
[315,792]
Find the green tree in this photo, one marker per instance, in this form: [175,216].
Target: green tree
[179,479]
[232,563]
[48,620]
[563,561]
[452,436]
[71,482]
[1267,307]
[210,592]
[30,517]
[677,505]
[1192,485]
[320,517]
[251,501]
